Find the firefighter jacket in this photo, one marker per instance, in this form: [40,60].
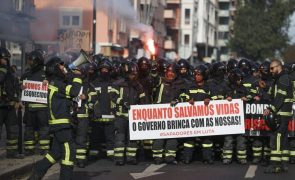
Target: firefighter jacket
[7,88]
[264,93]
[37,75]
[125,93]
[99,98]
[198,93]
[282,95]
[218,89]
[169,91]
[82,111]
[251,84]
[237,91]
[147,83]
[59,100]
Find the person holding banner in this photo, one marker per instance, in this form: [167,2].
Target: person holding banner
[199,91]
[292,139]
[281,108]
[236,91]
[61,91]
[168,92]
[126,92]
[36,113]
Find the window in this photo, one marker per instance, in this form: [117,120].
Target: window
[223,20]
[186,39]
[223,35]
[18,5]
[187,16]
[70,17]
[224,6]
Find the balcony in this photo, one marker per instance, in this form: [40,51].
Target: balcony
[169,14]
[223,13]
[173,1]
[169,44]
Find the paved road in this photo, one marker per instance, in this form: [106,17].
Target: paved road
[106,170]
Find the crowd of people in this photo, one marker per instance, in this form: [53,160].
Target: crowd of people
[65,131]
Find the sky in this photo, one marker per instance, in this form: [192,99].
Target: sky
[292,28]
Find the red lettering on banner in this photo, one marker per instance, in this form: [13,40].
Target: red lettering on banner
[256,124]
[33,86]
[225,109]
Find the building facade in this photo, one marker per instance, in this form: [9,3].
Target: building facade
[15,18]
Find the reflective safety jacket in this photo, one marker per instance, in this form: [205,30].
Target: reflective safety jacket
[198,93]
[170,91]
[251,84]
[125,93]
[7,88]
[282,95]
[218,89]
[38,75]
[59,100]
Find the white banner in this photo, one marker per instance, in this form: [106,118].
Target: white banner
[161,121]
[35,92]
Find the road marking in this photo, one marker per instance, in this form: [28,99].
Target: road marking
[251,171]
[149,171]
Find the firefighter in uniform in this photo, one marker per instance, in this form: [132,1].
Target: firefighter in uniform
[81,116]
[60,94]
[281,108]
[218,90]
[184,71]
[101,105]
[168,92]
[36,113]
[146,81]
[8,103]
[199,91]
[292,139]
[236,91]
[260,145]
[127,91]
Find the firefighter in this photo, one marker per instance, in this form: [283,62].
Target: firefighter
[199,91]
[81,117]
[101,105]
[36,113]
[126,92]
[281,108]
[236,91]
[184,71]
[8,104]
[61,91]
[146,81]
[292,139]
[218,86]
[168,91]
[260,145]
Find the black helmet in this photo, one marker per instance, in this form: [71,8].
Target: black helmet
[130,68]
[272,121]
[235,75]
[255,67]
[231,64]
[52,66]
[182,63]
[203,70]
[4,53]
[163,64]
[105,63]
[37,58]
[264,70]
[218,69]
[245,65]
[173,67]
[144,65]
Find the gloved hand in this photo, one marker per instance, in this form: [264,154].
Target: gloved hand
[174,103]
[126,105]
[191,101]
[206,101]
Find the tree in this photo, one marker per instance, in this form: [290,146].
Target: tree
[261,28]
[289,54]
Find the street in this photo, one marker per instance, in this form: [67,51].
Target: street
[106,170]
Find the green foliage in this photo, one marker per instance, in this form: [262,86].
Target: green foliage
[261,28]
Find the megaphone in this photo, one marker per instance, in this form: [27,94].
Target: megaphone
[82,59]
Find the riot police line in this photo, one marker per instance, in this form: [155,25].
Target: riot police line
[64,131]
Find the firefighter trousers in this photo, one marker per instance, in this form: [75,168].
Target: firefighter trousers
[62,149]
[81,138]
[8,117]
